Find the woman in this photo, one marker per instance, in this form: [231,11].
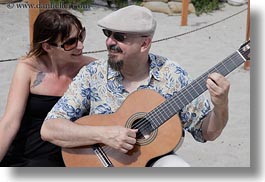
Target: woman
[40,79]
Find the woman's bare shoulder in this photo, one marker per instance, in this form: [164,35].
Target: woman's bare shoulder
[29,63]
[88,59]
[26,62]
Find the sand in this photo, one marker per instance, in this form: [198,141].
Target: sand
[196,52]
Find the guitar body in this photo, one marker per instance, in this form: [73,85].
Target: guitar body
[159,126]
[158,142]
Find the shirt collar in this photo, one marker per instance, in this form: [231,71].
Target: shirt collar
[112,73]
[156,62]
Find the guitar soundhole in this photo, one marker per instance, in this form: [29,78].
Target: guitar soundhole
[145,134]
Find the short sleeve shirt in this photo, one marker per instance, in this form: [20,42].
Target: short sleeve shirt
[98,89]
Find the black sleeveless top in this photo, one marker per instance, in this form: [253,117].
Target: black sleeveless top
[28,149]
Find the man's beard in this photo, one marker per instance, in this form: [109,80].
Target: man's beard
[115,65]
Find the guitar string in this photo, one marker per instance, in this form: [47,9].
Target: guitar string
[219,68]
[222,69]
[181,94]
[142,122]
[106,148]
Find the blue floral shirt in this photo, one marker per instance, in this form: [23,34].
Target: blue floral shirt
[98,89]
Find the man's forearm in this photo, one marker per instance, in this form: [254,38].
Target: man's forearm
[214,123]
[65,133]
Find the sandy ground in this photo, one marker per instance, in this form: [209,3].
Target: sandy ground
[197,52]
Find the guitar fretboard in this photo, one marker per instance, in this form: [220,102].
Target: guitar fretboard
[172,106]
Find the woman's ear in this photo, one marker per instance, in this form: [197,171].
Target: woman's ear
[146,44]
[46,46]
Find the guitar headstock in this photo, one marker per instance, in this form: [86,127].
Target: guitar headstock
[245,50]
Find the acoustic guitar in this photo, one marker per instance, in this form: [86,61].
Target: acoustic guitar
[159,128]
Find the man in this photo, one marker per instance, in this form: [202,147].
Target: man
[101,88]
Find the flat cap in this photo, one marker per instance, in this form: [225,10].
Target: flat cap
[130,19]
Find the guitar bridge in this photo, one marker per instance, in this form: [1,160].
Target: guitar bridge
[102,156]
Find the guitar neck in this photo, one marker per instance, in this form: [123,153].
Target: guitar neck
[172,106]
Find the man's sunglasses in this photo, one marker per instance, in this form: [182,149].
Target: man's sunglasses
[72,42]
[120,37]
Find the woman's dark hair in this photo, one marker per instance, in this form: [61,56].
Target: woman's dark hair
[50,26]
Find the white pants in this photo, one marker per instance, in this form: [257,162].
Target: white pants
[171,160]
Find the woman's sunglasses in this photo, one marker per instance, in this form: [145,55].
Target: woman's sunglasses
[120,37]
[72,42]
